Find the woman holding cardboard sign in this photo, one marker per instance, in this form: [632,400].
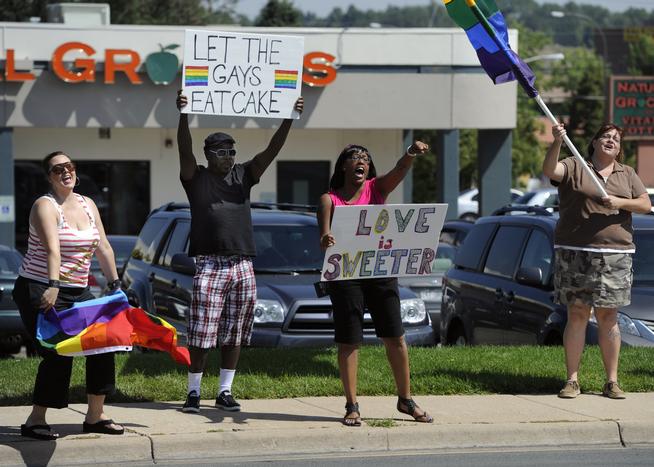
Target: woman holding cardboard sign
[355,182]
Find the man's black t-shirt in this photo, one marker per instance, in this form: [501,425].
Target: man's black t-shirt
[221,223]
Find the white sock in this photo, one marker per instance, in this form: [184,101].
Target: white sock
[194,380]
[226,378]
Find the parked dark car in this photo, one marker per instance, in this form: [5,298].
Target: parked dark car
[500,291]
[12,331]
[122,246]
[159,278]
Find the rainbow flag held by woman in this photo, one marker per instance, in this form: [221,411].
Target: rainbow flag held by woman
[106,324]
[486,29]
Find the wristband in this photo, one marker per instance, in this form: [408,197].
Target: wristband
[114,285]
[55,284]
[409,153]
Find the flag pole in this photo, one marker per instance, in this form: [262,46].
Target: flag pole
[522,79]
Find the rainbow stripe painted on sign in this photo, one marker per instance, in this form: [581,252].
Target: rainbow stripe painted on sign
[196,75]
[286,79]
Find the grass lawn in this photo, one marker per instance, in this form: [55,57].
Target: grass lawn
[282,373]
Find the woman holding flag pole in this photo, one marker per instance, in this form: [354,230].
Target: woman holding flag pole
[593,235]
[65,230]
[593,244]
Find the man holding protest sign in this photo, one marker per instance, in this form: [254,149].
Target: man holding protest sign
[355,182]
[224,287]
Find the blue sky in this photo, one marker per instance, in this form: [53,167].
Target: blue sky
[251,8]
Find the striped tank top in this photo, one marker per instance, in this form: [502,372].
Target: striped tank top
[76,248]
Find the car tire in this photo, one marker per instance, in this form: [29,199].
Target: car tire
[554,338]
[457,336]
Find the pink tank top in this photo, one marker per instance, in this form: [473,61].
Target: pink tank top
[369,195]
[76,248]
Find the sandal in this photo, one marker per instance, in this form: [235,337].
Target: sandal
[411,407]
[30,432]
[349,410]
[103,426]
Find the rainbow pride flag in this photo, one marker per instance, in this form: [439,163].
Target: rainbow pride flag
[286,79]
[106,324]
[196,75]
[486,29]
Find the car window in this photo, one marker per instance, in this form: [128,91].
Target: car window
[469,254]
[538,254]
[505,251]
[176,242]
[287,247]
[444,258]
[552,200]
[524,199]
[146,245]
[9,263]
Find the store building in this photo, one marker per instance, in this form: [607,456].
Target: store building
[86,91]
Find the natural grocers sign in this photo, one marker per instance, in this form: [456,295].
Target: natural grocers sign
[161,66]
[631,105]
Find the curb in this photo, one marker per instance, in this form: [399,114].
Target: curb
[136,447]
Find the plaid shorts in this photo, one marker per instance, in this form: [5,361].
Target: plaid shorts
[600,280]
[224,295]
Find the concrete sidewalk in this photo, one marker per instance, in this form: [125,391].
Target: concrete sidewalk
[161,432]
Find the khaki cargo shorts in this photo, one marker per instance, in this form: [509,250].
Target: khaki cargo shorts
[601,280]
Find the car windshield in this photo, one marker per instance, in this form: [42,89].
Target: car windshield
[122,247]
[287,248]
[9,263]
[644,258]
[524,199]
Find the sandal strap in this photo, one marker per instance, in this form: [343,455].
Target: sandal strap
[350,408]
[410,405]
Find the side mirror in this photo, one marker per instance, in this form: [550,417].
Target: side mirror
[530,276]
[183,264]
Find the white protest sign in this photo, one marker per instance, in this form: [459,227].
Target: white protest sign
[383,240]
[241,74]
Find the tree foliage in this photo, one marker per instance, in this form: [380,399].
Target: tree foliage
[641,56]
[582,74]
[173,12]
[277,13]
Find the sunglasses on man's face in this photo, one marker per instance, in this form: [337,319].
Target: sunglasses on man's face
[222,152]
[58,169]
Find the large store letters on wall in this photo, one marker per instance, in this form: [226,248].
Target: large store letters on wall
[319,66]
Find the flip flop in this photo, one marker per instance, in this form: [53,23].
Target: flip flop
[102,427]
[30,432]
[411,407]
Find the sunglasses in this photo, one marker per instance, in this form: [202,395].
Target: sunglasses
[58,169]
[223,152]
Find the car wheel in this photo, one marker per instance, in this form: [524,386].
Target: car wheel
[554,338]
[457,336]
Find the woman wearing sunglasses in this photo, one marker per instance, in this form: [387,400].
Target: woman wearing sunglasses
[65,230]
[355,182]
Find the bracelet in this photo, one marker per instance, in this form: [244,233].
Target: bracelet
[409,153]
[55,284]
[114,285]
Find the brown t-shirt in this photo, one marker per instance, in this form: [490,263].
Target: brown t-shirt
[583,221]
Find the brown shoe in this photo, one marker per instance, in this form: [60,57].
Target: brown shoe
[570,390]
[613,391]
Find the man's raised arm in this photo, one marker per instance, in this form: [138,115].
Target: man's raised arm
[187,163]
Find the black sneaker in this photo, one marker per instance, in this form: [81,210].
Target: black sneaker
[227,402]
[192,404]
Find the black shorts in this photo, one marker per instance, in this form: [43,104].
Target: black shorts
[350,299]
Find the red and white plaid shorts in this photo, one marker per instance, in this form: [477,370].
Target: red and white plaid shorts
[224,295]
